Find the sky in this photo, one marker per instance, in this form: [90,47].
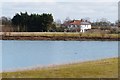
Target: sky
[60,9]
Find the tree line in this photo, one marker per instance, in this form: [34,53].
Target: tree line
[33,22]
[28,23]
[23,22]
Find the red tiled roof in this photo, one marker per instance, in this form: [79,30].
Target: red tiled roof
[75,22]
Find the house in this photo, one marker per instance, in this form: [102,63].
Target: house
[78,25]
[85,26]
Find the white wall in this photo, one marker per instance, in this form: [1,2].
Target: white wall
[85,26]
[82,27]
[89,26]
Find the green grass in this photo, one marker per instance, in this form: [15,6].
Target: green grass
[105,68]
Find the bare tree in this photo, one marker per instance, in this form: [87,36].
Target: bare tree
[67,19]
[58,23]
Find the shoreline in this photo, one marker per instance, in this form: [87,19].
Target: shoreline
[58,36]
[106,66]
[55,65]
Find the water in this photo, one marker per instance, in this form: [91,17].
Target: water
[19,54]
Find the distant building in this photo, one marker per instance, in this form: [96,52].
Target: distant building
[77,25]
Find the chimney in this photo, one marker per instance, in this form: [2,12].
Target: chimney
[82,20]
[86,21]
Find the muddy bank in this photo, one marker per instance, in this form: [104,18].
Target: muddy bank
[53,38]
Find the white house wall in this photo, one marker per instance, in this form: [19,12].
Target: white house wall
[85,26]
[82,27]
[89,26]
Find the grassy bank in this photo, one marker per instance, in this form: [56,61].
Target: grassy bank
[57,36]
[105,68]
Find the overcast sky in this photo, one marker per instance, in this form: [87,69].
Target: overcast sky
[60,9]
